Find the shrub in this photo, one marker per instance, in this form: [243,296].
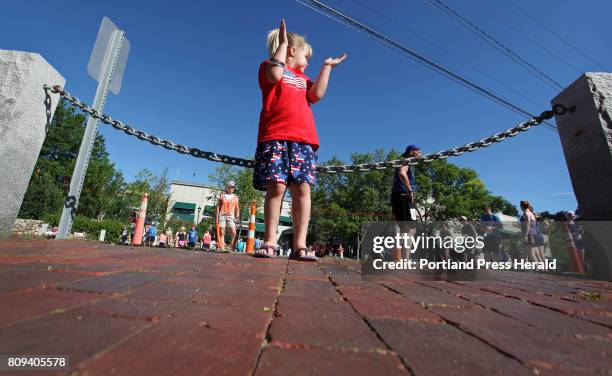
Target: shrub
[91,227]
[51,218]
[203,226]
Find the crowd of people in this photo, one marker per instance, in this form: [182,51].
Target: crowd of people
[183,239]
[529,239]
[168,239]
[496,244]
[497,247]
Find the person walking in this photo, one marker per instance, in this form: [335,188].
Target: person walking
[529,232]
[403,192]
[228,211]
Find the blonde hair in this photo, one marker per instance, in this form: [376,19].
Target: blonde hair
[295,40]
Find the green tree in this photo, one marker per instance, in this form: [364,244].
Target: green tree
[50,181]
[446,191]
[108,184]
[43,196]
[342,203]
[158,189]
[500,204]
[222,174]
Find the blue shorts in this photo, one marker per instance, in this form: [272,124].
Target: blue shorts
[285,162]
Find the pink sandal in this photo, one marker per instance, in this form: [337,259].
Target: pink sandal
[264,251]
[295,255]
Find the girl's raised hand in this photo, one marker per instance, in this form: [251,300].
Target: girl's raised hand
[282,33]
[333,62]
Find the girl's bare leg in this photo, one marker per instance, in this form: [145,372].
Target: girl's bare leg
[300,212]
[272,207]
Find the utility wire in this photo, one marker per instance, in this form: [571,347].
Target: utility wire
[351,22]
[396,23]
[480,71]
[495,43]
[558,36]
[534,42]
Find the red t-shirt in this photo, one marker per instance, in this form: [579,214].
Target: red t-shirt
[286,113]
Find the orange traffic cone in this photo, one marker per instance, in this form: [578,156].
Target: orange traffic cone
[137,239]
[250,248]
[574,256]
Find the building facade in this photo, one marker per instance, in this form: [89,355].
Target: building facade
[196,202]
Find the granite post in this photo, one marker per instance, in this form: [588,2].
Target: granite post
[586,137]
[26,110]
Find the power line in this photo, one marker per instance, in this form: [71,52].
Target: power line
[402,26]
[558,36]
[534,42]
[495,43]
[348,21]
[395,22]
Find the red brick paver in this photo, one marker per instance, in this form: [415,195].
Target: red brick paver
[141,311]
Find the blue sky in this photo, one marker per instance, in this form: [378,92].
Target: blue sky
[192,77]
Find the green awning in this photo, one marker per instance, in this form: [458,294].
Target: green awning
[260,227]
[285,219]
[184,205]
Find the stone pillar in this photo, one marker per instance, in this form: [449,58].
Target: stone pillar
[586,137]
[26,110]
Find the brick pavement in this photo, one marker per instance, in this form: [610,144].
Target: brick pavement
[140,311]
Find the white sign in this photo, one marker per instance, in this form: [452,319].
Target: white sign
[101,52]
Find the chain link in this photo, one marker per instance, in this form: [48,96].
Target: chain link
[557,109]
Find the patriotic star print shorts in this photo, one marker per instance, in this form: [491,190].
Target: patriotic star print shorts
[286,162]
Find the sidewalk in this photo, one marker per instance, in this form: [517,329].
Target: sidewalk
[143,311]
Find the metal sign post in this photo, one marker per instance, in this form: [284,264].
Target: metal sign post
[106,65]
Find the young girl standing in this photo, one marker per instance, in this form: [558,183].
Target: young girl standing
[287,141]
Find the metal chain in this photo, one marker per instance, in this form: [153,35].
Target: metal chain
[557,109]
[215,157]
